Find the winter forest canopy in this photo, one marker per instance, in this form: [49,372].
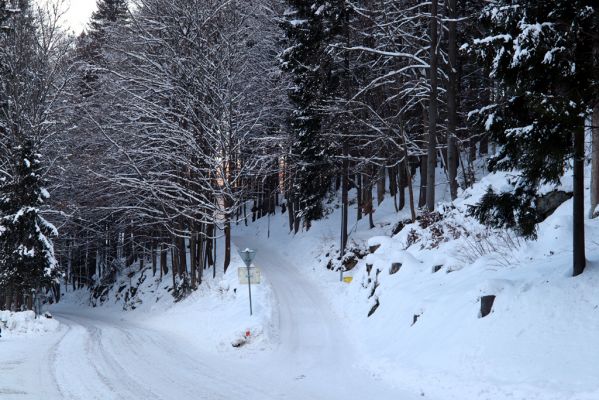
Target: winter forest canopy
[170,122]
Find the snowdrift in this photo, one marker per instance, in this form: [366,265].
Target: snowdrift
[24,323]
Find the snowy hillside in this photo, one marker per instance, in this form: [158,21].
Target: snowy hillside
[540,341]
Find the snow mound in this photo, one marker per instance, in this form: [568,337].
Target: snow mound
[25,323]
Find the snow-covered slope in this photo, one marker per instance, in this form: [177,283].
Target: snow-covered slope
[541,340]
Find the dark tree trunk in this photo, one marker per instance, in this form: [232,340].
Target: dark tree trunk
[209,244]
[193,258]
[432,114]
[360,199]
[401,187]
[423,181]
[344,197]
[163,265]
[153,249]
[227,259]
[578,214]
[380,185]
[595,162]
[290,212]
[452,151]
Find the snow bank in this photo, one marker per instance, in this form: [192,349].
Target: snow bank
[25,323]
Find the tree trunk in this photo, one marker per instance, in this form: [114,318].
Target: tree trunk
[153,259]
[209,244]
[200,249]
[392,172]
[192,258]
[296,218]
[380,186]
[595,162]
[408,172]
[182,256]
[432,114]
[578,212]
[360,200]
[163,266]
[344,197]
[290,212]
[452,151]
[401,186]
[175,257]
[227,259]
[423,181]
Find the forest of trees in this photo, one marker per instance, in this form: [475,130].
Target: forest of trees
[169,122]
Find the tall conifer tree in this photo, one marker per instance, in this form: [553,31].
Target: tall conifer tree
[26,252]
[541,53]
[308,63]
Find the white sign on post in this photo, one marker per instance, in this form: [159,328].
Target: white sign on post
[254,275]
[247,256]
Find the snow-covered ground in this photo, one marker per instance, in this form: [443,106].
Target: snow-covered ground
[540,342]
[297,349]
[311,337]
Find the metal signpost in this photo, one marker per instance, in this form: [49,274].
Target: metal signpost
[247,256]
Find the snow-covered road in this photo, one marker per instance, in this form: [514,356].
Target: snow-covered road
[103,356]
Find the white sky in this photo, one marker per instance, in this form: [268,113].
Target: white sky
[78,14]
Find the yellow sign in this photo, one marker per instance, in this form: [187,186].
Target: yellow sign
[348,279]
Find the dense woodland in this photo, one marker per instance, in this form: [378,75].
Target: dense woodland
[169,122]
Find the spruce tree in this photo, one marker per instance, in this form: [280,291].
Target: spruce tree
[108,13]
[27,253]
[309,66]
[541,54]
[91,46]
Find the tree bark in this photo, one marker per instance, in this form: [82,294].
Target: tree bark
[360,200]
[227,259]
[163,266]
[432,114]
[380,185]
[423,181]
[594,161]
[579,261]
[401,187]
[192,258]
[452,151]
[408,171]
[153,258]
[182,257]
[344,196]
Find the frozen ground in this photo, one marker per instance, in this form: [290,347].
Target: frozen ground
[310,336]
[298,349]
[541,342]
